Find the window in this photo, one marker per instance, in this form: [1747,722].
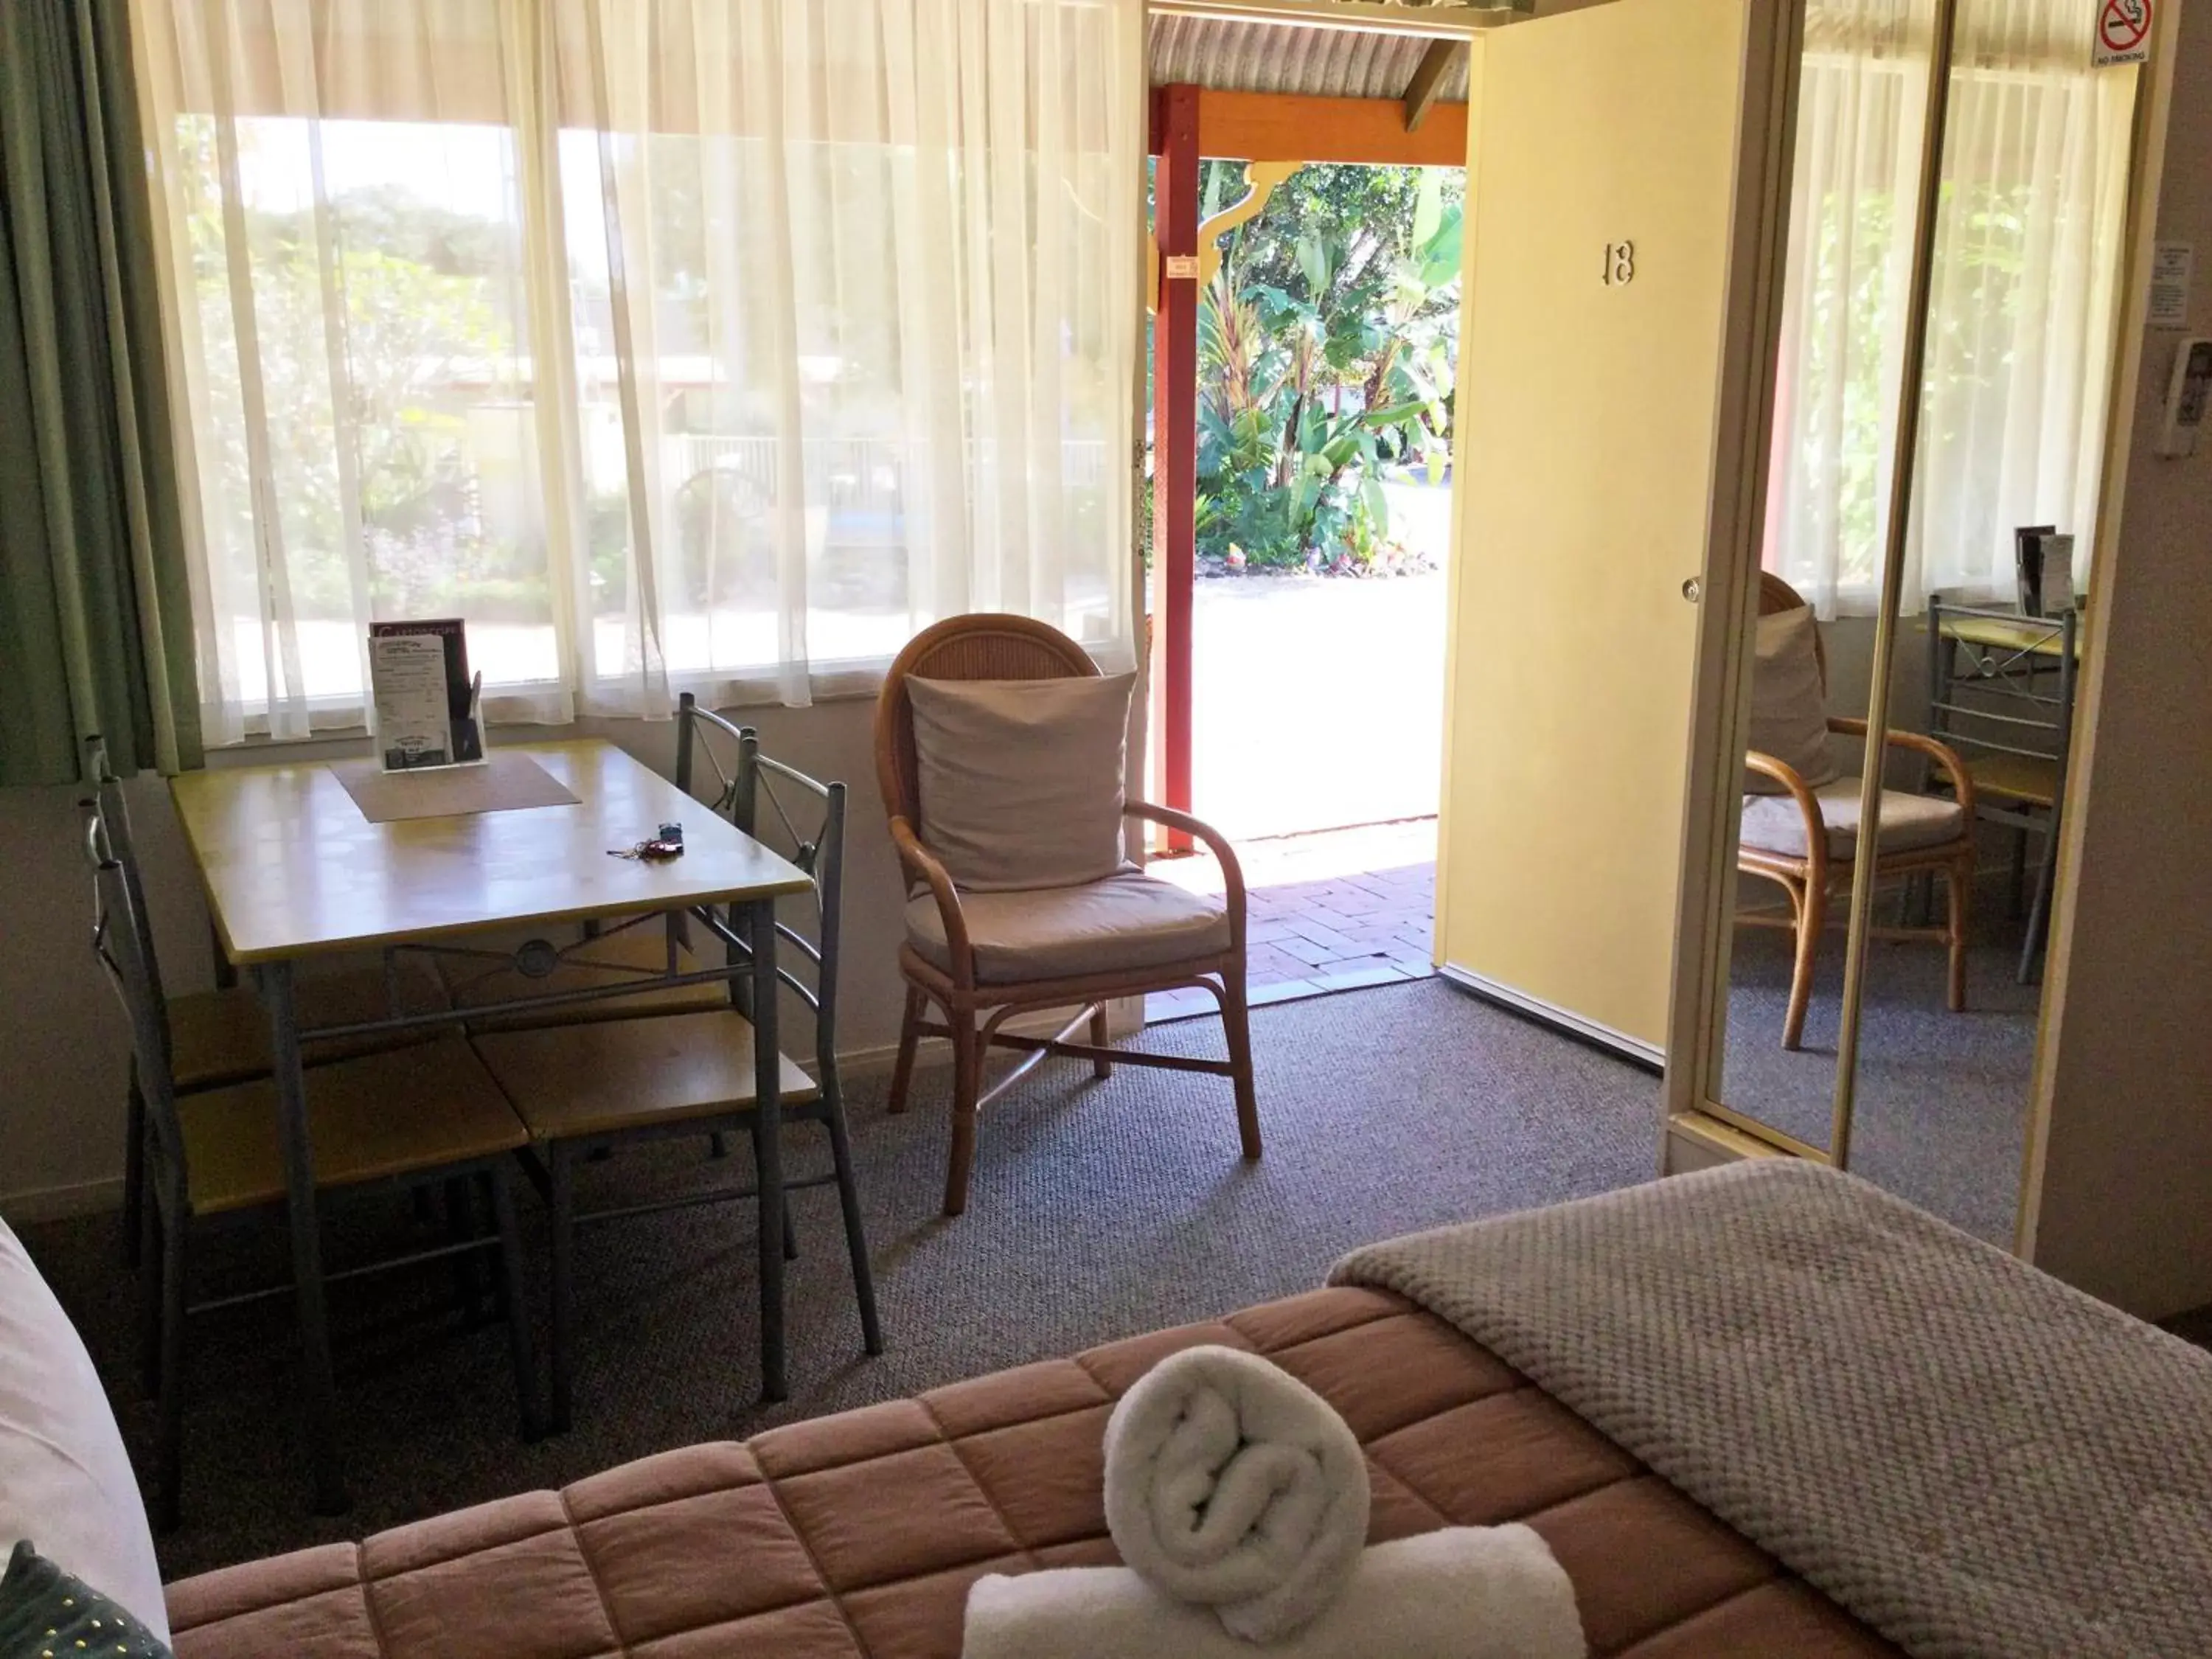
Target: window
[2022,313]
[708,344]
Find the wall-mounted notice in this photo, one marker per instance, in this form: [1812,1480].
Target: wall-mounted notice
[2171,265]
[2123,32]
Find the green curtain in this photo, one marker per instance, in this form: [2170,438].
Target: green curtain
[95,607]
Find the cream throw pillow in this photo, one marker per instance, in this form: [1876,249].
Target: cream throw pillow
[1788,714]
[1020,779]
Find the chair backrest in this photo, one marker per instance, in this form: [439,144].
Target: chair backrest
[988,646]
[793,814]
[119,944]
[1776,597]
[112,817]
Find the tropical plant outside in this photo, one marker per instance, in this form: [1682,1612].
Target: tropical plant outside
[1327,346]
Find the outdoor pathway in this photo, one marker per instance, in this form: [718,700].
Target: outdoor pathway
[1333,911]
[1318,701]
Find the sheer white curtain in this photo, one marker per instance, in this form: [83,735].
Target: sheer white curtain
[710,344]
[2023,310]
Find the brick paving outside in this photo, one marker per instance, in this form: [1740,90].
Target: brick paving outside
[1337,910]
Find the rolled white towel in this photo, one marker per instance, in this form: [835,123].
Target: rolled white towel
[1463,1593]
[1232,1485]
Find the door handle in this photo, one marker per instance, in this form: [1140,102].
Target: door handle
[1693,590]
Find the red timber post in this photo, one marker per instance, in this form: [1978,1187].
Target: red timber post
[1175,432]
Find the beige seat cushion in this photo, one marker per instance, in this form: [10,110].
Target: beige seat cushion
[1129,920]
[1789,710]
[1773,823]
[1020,780]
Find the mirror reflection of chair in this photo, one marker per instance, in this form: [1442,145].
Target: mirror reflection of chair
[2000,692]
[403,1119]
[983,952]
[1800,812]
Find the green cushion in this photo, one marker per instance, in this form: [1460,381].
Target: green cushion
[46,1614]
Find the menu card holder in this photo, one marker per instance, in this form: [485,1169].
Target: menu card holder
[424,702]
[2045,560]
[2027,556]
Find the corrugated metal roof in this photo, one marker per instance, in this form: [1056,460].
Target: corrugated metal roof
[1234,55]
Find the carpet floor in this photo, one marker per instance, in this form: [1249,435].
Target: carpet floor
[1099,1209]
[1941,1113]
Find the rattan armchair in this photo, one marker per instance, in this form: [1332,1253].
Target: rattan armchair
[974,1000]
[1930,834]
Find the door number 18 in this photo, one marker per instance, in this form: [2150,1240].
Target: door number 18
[1619,264]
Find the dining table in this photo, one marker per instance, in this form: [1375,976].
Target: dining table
[306,860]
[1987,671]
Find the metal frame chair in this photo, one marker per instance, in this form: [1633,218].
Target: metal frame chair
[2018,781]
[219,1037]
[989,646]
[399,1120]
[1810,881]
[586,1088]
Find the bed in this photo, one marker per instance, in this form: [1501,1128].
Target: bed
[1766,1410]
[859,1534]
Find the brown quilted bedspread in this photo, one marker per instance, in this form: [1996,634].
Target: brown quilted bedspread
[859,1534]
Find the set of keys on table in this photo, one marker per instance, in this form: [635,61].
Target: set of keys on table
[667,843]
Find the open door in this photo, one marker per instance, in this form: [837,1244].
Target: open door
[1612,412]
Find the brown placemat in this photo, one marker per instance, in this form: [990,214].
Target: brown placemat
[504,783]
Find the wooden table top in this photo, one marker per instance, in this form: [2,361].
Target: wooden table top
[293,868]
[2041,635]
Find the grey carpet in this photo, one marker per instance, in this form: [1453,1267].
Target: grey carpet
[1941,1110]
[1099,1210]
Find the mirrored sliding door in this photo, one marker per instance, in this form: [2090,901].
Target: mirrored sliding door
[1925,565]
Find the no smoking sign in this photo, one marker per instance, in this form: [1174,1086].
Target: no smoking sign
[2123,32]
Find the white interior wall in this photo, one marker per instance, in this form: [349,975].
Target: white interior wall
[2120,1197]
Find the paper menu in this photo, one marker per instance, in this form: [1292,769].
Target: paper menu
[2055,592]
[424,698]
[408,671]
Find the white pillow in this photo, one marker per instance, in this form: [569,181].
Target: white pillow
[1788,711]
[1020,780]
[64,1481]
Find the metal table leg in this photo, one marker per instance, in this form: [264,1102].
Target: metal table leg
[290,1075]
[767,1143]
[2038,918]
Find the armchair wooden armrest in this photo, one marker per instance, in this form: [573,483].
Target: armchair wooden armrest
[923,866]
[1947,758]
[1232,872]
[1793,784]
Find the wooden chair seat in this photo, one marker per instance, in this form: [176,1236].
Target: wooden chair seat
[598,963]
[576,1082]
[2031,779]
[427,1107]
[219,1037]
